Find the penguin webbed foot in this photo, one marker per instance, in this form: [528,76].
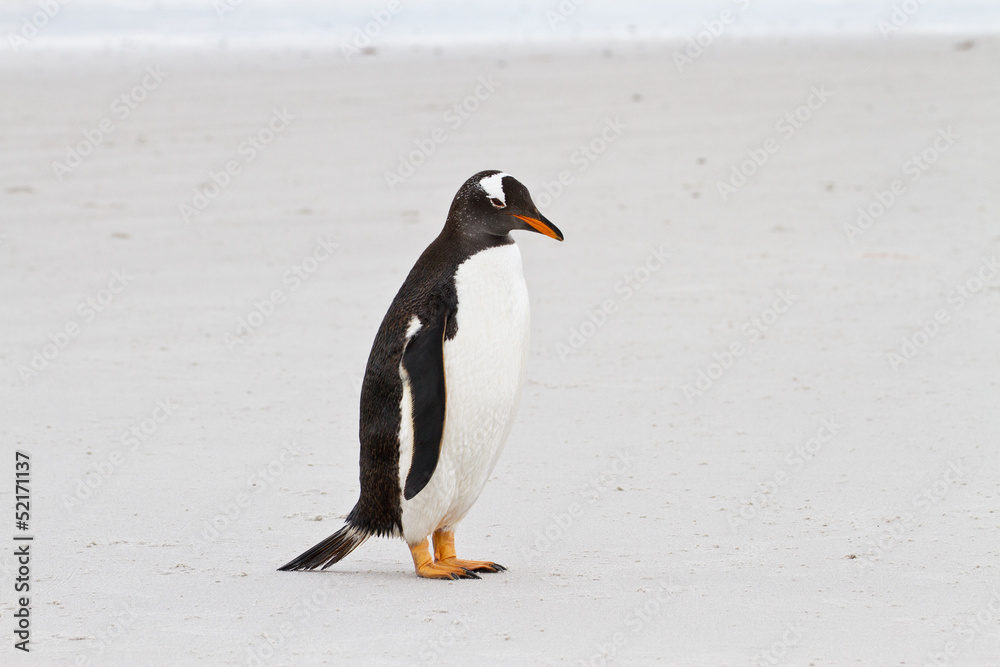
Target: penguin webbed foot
[444,553]
[430,570]
[445,565]
[445,571]
[476,565]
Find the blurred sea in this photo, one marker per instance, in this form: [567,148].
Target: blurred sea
[318,22]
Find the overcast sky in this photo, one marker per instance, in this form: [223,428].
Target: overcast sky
[451,20]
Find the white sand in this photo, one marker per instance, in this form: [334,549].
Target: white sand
[657,548]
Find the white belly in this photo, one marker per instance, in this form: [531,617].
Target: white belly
[484,373]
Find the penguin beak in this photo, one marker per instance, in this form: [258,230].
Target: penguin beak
[541,225]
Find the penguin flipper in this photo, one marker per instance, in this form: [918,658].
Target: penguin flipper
[423,360]
[329,551]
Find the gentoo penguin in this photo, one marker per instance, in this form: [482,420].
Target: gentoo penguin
[443,382]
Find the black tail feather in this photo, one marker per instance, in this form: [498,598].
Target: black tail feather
[329,551]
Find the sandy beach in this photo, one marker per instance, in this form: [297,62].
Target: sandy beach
[760,424]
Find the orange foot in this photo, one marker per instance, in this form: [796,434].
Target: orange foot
[426,567]
[444,553]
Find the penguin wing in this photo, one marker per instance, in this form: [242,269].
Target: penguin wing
[423,360]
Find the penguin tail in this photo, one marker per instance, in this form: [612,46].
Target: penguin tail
[331,550]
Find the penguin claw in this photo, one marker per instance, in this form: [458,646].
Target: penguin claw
[473,566]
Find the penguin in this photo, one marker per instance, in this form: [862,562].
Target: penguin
[443,383]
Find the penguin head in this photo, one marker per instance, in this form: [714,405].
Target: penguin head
[495,203]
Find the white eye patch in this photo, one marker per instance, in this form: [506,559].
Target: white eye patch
[493,186]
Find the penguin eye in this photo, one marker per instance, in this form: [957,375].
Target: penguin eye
[497,203]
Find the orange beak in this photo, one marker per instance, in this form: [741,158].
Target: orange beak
[542,226]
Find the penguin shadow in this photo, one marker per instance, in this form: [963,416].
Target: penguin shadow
[366,577]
